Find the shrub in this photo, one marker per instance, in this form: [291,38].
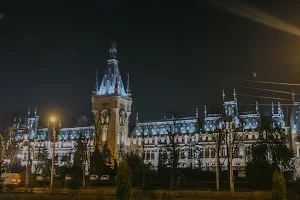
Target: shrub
[279,187]
[123,181]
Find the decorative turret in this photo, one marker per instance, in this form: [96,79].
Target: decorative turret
[96,86]
[35,112]
[112,76]
[234,94]
[279,108]
[113,50]
[128,88]
[256,106]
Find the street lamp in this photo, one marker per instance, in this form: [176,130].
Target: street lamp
[53,119]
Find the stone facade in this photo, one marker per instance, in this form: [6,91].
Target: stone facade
[111,106]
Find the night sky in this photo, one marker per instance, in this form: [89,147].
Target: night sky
[176,53]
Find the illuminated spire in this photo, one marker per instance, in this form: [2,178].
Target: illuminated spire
[279,108]
[272,108]
[223,95]
[137,117]
[35,111]
[197,113]
[293,95]
[113,50]
[128,88]
[96,87]
[28,112]
[256,106]
[205,111]
[234,94]
[112,74]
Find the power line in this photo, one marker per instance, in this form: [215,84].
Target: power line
[264,82]
[264,97]
[278,91]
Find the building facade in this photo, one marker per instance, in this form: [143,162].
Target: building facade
[111,106]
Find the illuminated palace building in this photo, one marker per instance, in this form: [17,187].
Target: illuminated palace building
[111,106]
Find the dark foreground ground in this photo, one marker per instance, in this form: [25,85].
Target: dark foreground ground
[136,195]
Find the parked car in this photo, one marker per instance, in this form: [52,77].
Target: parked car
[11,180]
[104,178]
[94,178]
[69,177]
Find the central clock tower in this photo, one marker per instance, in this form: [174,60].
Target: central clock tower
[111,105]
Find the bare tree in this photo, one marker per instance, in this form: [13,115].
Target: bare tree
[12,148]
[80,155]
[173,150]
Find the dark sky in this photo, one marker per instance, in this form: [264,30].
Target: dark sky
[174,52]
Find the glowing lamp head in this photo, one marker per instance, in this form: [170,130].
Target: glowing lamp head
[53,119]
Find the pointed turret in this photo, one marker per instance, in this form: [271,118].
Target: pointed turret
[279,108]
[234,94]
[128,88]
[112,75]
[35,112]
[96,85]
[113,50]
[256,106]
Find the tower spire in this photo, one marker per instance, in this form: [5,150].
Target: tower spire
[272,108]
[256,106]
[205,111]
[279,108]
[113,50]
[197,113]
[234,94]
[96,86]
[293,95]
[35,111]
[128,88]
[28,113]
[223,95]
[137,117]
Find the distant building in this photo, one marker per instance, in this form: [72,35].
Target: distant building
[111,106]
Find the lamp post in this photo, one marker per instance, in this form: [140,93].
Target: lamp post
[53,119]
[217,160]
